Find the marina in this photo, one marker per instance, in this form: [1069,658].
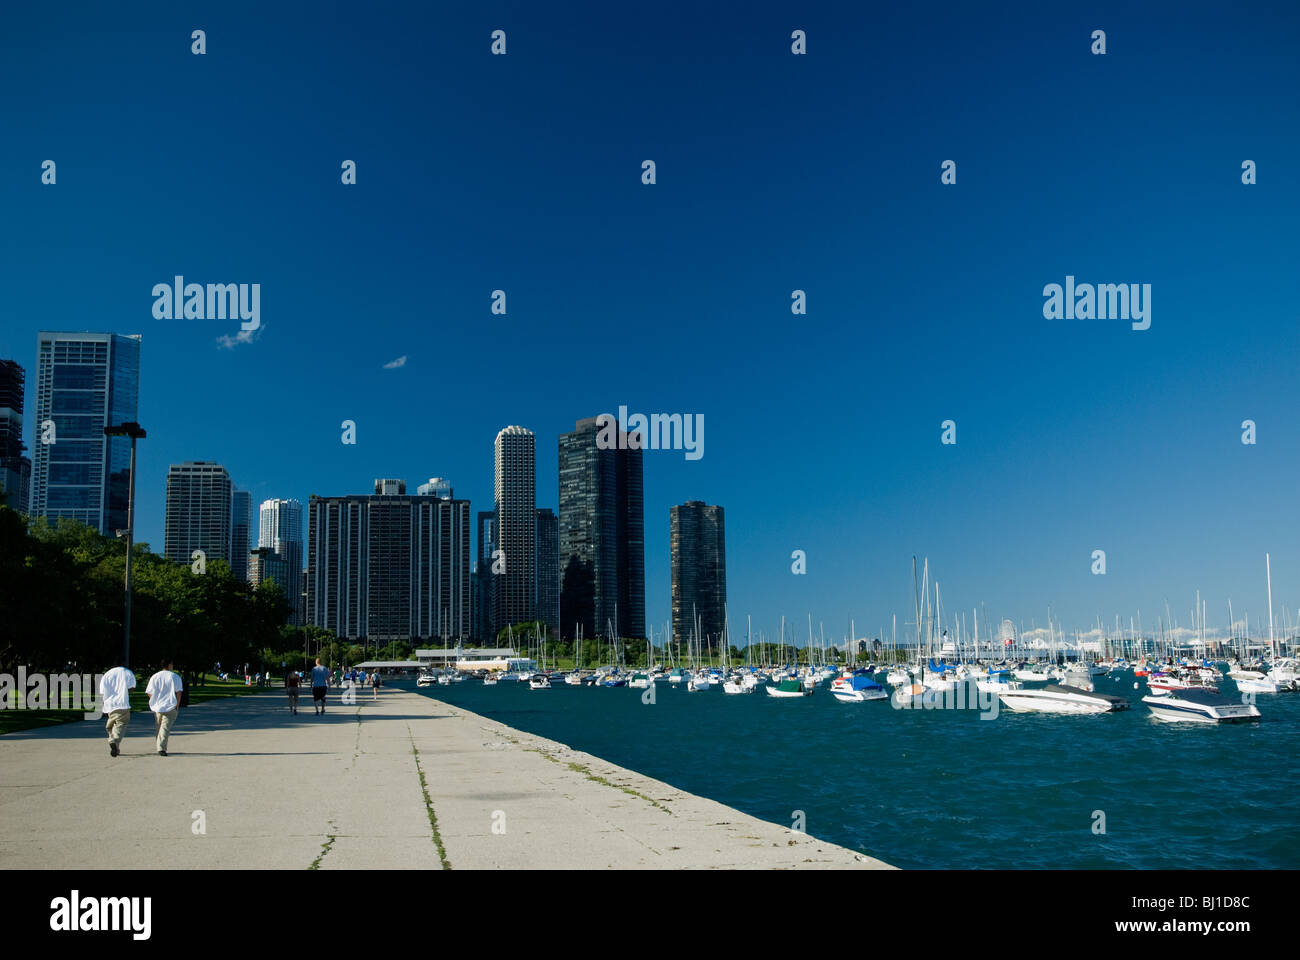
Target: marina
[944,788]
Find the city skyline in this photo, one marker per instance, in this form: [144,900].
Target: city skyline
[776,173]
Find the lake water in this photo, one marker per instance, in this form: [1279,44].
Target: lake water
[943,788]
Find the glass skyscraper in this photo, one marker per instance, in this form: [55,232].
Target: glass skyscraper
[698,543]
[84,382]
[601,535]
[241,521]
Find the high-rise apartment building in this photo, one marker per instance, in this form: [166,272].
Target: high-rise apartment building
[199,499]
[601,535]
[389,566]
[514,591]
[84,382]
[279,527]
[481,580]
[697,536]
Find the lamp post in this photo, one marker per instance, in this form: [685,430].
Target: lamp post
[135,432]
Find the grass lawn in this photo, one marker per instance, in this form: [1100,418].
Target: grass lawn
[212,689]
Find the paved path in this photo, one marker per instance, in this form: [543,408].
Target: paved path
[344,791]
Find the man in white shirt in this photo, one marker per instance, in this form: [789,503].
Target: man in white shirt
[164,691]
[115,700]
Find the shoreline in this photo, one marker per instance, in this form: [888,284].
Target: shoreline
[405,782]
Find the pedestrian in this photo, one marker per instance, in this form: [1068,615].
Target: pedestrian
[320,682]
[291,686]
[164,700]
[115,700]
[374,685]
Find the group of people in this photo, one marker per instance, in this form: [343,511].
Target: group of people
[165,696]
[320,684]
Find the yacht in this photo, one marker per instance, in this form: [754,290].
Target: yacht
[490,680]
[1161,683]
[1253,681]
[574,679]
[539,681]
[425,680]
[639,681]
[1200,706]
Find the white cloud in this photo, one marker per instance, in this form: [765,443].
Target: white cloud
[394,364]
[228,342]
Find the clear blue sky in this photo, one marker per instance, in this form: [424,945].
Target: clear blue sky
[775,172]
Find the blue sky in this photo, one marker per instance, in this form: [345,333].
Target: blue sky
[775,172]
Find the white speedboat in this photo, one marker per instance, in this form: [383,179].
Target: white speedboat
[574,679]
[740,684]
[539,681]
[425,680]
[1075,696]
[1161,683]
[1200,706]
[639,681]
[490,680]
[1253,681]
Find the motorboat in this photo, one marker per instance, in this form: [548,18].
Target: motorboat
[677,675]
[539,681]
[1200,706]
[425,680]
[857,687]
[1253,681]
[1161,683]
[639,681]
[1075,694]
[574,679]
[490,680]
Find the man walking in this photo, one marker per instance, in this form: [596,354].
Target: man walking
[164,700]
[115,700]
[320,681]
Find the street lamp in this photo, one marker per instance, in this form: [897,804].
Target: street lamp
[135,432]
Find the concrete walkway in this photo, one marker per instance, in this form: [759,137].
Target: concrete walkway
[343,791]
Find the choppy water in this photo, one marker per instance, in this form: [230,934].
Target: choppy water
[945,789]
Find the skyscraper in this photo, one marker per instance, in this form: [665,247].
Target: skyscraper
[15,468]
[481,581]
[241,523]
[84,382]
[389,566]
[199,498]
[698,544]
[601,535]
[548,569]
[514,594]
[280,528]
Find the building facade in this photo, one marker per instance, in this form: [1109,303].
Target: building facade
[389,567]
[15,467]
[241,526]
[514,589]
[698,544]
[84,382]
[601,535]
[548,569]
[199,500]
[279,527]
[481,584]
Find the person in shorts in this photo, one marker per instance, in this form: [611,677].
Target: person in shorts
[291,681]
[374,685]
[320,682]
